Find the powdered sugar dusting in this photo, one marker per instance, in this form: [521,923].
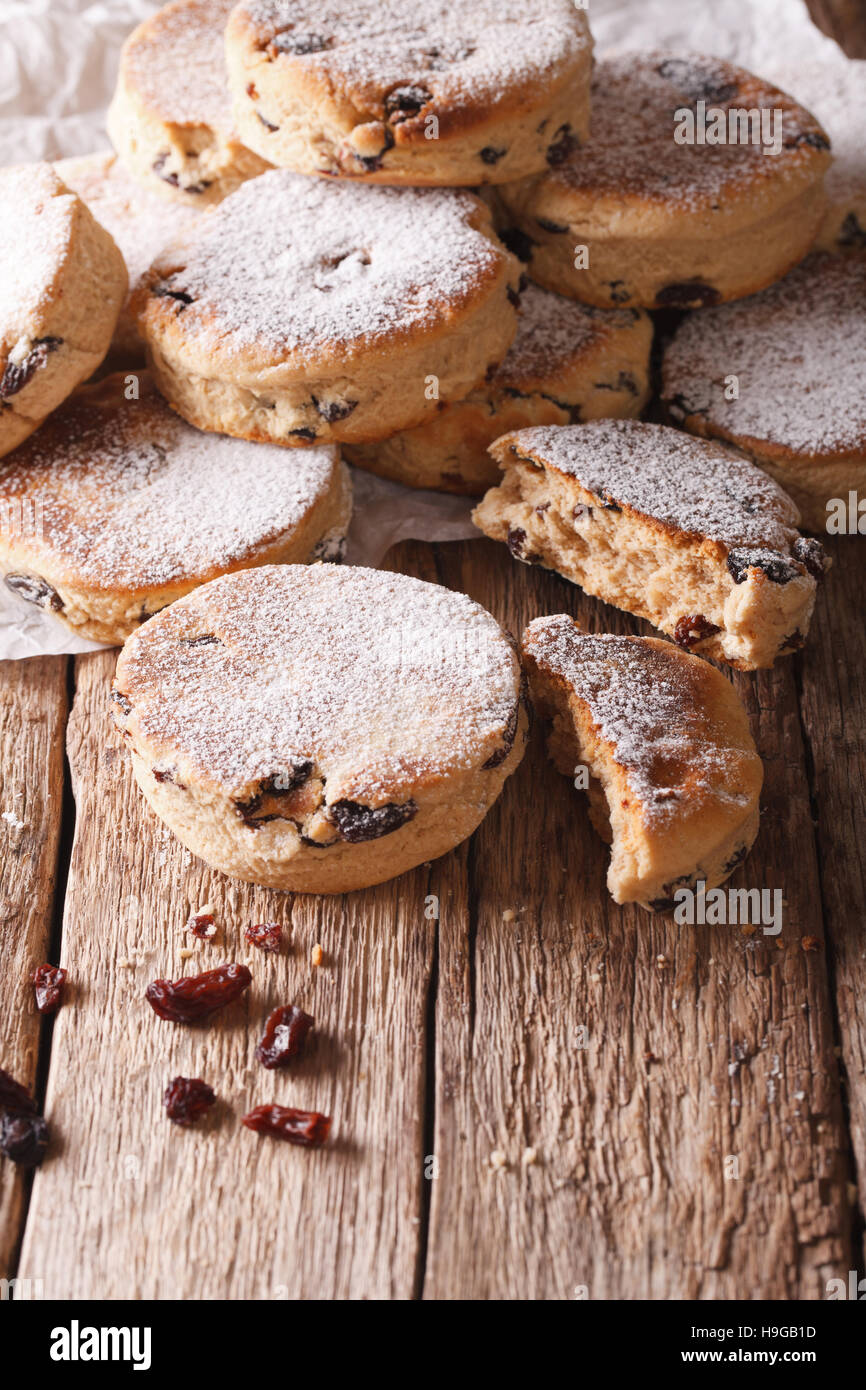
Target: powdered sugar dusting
[140,222]
[699,487]
[176,64]
[376,678]
[295,266]
[650,702]
[632,148]
[132,497]
[552,331]
[478,51]
[35,230]
[798,350]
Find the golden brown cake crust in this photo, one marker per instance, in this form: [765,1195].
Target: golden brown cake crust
[445,93]
[666,223]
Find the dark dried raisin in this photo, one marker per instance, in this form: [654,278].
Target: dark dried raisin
[23,1139]
[507,741]
[197,996]
[555,228]
[815,139]
[518,242]
[16,375]
[34,590]
[331,411]
[405,102]
[516,542]
[490,155]
[563,146]
[696,82]
[777,569]
[13,1096]
[305,1127]
[300,44]
[267,936]
[304,433]
[165,292]
[121,701]
[357,823]
[689,294]
[186,1099]
[851,233]
[48,982]
[284,1036]
[268,125]
[811,553]
[692,629]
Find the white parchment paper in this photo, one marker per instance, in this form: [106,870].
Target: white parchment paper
[58,64]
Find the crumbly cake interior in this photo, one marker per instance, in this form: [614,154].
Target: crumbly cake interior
[683,533]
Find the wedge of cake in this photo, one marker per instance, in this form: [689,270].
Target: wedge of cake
[678,530]
[672,772]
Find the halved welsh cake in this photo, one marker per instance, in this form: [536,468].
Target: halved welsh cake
[677,530]
[674,775]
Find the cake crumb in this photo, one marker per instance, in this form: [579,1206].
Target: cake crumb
[186,953]
[529,1157]
[317,955]
[509,914]
[498,1159]
[12,820]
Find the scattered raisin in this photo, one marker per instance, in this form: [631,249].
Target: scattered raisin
[490,155]
[268,125]
[816,139]
[811,553]
[405,102]
[507,742]
[23,1138]
[16,375]
[689,294]
[518,242]
[121,701]
[516,542]
[34,590]
[197,996]
[48,982]
[267,936]
[775,567]
[284,1036]
[13,1096]
[164,292]
[851,233]
[305,1127]
[186,1099]
[202,926]
[693,628]
[304,433]
[555,228]
[301,43]
[696,82]
[564,144]
[331,411]
[357,823]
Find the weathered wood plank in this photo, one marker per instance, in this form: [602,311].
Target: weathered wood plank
[32,721]
[834,715]
[131,1206]
[702,1045]
[844,21]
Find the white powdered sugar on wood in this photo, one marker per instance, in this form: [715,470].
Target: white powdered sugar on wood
[650,703]
[292,266]
[632,150]
[36,217]
[699,487]
[377,678]
[473,51]
[131,497]
[552,332]
[798,350]
[176,65]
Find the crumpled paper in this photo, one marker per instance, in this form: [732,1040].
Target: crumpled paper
[58,65]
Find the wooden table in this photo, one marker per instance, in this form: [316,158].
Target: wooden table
[641,1064]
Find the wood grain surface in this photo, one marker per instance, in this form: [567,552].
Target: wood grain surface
[32,722]
[535,1095]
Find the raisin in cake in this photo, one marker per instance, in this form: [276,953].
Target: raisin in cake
[117,507]
[782,377]
[62,284]
[674,775]
[568,362]
[301,311]
[321,728]
[383,92]
[679,531]
[634,217]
